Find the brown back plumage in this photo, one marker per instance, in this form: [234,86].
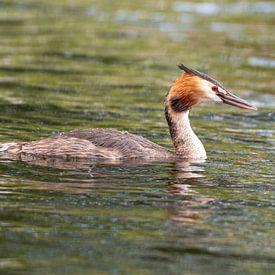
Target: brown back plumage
[95,144]
[129,145]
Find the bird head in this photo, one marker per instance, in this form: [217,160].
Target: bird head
[194,87]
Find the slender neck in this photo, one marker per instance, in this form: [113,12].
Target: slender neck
[186,143]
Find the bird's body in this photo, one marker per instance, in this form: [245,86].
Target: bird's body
[190,88]
[94,144]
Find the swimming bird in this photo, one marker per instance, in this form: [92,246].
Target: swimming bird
[188,90]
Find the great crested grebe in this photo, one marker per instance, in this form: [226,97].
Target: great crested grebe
[191,88]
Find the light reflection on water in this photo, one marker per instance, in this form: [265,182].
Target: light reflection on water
[215,8]
[234,30]
[262,62]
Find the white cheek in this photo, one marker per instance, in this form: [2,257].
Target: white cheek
[210,96]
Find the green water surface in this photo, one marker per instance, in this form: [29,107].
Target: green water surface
[81,64]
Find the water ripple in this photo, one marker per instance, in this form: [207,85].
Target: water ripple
[214,8]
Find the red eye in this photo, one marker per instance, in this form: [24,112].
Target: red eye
[214,88]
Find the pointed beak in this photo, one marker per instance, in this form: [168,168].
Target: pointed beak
[233,100]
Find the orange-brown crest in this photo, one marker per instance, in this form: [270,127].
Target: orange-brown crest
[185,92]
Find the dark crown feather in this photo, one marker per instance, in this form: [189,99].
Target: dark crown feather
[201,75]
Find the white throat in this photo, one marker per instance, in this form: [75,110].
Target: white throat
[186,142]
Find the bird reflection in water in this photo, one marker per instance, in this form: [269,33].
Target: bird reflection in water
[83,176]
[187,208]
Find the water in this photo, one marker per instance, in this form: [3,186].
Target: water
[81,64]
[214,8]
[262,62]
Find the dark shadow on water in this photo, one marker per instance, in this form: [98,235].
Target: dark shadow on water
[219,254]
[55,71]
[11,22]
[105,59]
[46,110]
[36,88]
